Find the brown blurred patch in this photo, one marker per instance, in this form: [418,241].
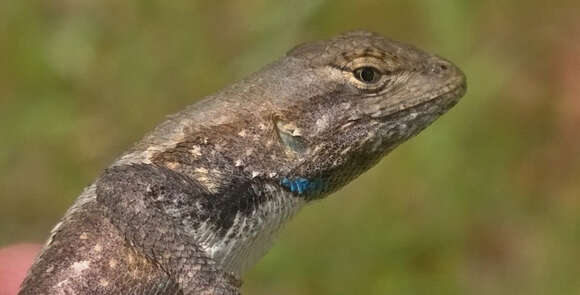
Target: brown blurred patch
[552,163]
[568,120]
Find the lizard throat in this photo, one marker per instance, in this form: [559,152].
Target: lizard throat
[251,235]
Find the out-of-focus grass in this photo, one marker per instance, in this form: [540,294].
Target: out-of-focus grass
[486,201]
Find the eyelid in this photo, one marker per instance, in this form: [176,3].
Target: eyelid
[368,61]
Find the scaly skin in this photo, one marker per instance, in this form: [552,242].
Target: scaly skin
[198,200]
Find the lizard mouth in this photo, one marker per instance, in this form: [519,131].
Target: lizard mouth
[451,96]
[419,97]
[446,96]
[443,102]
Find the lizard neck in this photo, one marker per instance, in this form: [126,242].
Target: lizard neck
[246,205]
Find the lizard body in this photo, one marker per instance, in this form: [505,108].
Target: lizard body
[199,199]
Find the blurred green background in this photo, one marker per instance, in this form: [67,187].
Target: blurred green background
[486,201]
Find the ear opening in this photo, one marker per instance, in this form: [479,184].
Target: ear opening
[290,138]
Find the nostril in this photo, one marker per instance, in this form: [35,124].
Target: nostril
[439,68]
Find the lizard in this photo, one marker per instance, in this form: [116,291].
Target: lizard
[200,199]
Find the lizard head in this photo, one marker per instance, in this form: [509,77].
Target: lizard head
[352,99]
[313,120]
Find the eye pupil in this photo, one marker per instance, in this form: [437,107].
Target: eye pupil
[366,74]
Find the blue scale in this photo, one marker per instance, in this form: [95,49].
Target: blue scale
[299,185]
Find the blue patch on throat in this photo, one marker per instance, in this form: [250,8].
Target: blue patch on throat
[300,185]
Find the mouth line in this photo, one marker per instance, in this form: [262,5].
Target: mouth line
[454,95]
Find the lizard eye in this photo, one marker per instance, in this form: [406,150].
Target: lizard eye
[367,74]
